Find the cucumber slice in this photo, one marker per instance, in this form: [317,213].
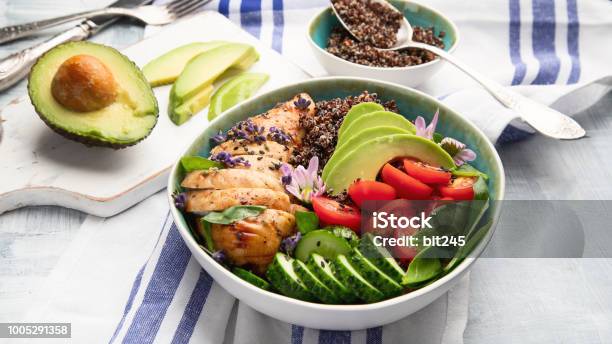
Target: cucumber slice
[352,279]
[381,258]
[252,278]
[323,242]
[323,271]
[282,276]
[372,274]
[314,285]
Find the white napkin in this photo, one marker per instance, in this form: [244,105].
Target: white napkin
[130,278]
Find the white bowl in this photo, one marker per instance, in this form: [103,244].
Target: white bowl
[412,76]
[341,317]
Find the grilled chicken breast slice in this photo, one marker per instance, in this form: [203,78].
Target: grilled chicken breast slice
[263,164]
[286,116]
[268,149]
[217,200]
[231,178]
[254,240]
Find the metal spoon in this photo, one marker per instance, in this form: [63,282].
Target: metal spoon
[545,120]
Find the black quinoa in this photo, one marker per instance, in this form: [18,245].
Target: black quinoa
[370,21]
[344,46]
[322,128]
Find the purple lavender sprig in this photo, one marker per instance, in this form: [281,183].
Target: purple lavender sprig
[302,103]
[219,257]
[278,135]
[180,199]
[219,138]
[227,159]
[289,243]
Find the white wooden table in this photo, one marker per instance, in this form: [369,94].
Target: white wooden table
[32,239]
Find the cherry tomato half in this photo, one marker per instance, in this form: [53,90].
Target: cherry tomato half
[426,173]
[370,190]
[331,212]
[406,186]
[460,189]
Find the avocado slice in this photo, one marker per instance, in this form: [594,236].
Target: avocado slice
[205,68]
[366,160]
[166,68]
[117,107]
[180,113]
[375,119]
[350,144]
[356,111]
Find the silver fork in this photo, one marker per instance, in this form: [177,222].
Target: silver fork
[151,14]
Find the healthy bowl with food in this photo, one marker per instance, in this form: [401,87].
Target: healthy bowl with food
[268,198]
[341,54]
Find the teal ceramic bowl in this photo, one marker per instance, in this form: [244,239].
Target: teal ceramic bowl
[342,317]
[321,25]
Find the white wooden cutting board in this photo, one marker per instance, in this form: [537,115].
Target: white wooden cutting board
[39,167]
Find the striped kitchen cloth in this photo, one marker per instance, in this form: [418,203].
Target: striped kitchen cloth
[103,287]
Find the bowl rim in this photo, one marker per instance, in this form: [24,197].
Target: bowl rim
[374,68]
[463,267]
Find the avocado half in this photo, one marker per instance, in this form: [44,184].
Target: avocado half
[127,120]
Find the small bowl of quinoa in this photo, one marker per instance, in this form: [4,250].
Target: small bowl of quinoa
[342,54]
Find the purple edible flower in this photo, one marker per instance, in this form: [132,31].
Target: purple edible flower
[219,138]
[289,243]
[219,257]
[303,183]
[226,159]
[277,135]
[179,200]
[301,103]
[457,150]
[426,131]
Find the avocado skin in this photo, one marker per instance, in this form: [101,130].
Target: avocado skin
[88,140]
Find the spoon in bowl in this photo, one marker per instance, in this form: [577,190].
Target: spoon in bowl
[542,118]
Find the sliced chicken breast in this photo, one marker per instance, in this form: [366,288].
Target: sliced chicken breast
[286,116]
[217,200]
[262,164]
[268,149]
[254,240]
[229,178]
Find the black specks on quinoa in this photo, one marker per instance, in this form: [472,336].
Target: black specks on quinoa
[371,22]
[344,46]
[322,128]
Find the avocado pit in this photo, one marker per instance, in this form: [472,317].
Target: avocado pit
[83,83]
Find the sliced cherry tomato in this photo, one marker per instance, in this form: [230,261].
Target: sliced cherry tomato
[426,173]
[460,189]
[406,186]
[331,212]
[369,190]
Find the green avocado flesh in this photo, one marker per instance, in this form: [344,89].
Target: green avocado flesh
[356,112]
[126,121]
[375,119]
[205,68]
[167,67]
[369,157]
[353,142]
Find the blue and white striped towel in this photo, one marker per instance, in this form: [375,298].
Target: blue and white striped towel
[131,279]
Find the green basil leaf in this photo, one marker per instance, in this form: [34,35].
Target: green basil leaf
[306,221]
[233,214]
[195,163]
[422,268]
[207,235]
[467,170]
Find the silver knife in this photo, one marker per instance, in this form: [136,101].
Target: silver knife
[16,66]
